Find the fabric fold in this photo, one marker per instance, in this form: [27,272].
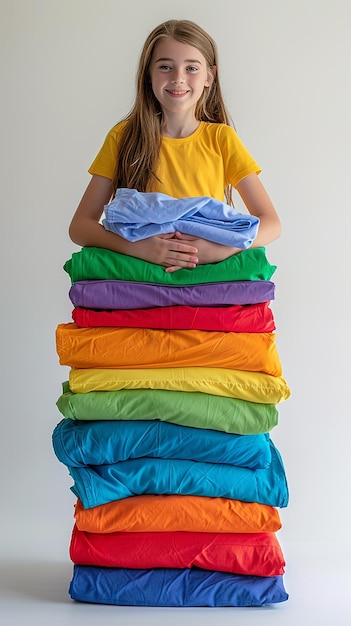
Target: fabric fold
[121,294]
[104,347]
[164,513]
[255,554]
[81,444]
[91,263]
[173,587]
[252,318]
[136,215]
[250,386]
[100,484]
[197,410]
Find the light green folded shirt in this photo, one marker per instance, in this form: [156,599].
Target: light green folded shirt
[197,410]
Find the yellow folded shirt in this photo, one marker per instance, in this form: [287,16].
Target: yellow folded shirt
[251,386]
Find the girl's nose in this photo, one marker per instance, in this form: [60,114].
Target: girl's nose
[177,78]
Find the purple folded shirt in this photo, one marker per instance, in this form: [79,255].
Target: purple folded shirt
[120,294]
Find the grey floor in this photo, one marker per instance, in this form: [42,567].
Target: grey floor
[317,578]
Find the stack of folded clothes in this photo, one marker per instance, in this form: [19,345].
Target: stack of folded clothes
[173,386]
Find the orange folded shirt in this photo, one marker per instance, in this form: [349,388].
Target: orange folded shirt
[162,513]
[116,347]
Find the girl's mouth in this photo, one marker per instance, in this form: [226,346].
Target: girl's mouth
[177,93]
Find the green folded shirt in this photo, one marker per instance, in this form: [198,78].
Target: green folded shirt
[102,264]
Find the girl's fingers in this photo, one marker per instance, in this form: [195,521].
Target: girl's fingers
[172,269]
[178,245]
[176,263]
[183,260]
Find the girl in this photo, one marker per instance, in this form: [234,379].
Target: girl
[177,140]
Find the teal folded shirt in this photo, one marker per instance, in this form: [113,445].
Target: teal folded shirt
[100,484]
[80,443]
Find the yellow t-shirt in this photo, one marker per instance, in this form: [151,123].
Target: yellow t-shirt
[202,164]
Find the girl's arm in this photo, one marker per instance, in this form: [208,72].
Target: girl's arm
[258,203]
[86,230]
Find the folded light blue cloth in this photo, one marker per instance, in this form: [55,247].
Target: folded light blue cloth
[135,215]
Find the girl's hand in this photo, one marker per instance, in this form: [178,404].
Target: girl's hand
[167,250]
[208,251]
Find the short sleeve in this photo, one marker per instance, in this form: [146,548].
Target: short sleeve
[105,162]
[239,162]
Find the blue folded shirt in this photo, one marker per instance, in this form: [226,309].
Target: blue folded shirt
[173,587]
[136,215]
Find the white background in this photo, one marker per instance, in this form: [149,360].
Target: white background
[67,76]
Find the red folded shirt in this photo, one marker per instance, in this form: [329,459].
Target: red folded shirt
[255,554]
[251,318]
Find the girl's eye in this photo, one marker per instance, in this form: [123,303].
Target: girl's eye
[191,68]
[165,67]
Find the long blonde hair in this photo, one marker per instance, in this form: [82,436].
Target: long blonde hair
[141,136]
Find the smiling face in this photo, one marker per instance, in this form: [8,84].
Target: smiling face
[179,74]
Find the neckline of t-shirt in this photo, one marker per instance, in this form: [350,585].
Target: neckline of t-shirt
[185,139]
